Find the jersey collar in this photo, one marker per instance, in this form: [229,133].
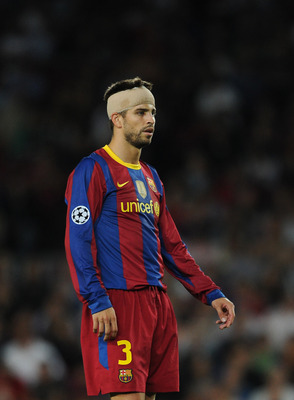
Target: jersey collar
[117,159]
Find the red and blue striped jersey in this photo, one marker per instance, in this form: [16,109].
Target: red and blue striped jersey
[120,234]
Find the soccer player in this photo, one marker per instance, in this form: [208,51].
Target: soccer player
[120,237]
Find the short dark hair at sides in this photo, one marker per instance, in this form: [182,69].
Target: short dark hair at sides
[125,85]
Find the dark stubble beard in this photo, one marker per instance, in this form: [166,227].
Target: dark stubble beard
[137,140]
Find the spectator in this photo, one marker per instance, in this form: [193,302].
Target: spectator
[30,358]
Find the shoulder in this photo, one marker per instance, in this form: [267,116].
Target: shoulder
[85,164]
[88,164]
[83,170]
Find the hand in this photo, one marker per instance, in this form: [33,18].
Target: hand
[105,322]
[226,312]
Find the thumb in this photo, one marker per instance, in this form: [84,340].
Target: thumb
[222,311]
[223,319]
[221,314]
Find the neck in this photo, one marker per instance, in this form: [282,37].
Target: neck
[125,151]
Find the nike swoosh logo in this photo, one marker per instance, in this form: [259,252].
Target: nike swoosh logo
[122,184]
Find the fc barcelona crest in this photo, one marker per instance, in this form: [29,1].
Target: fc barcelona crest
[141,189]
[151,184]
[125,375]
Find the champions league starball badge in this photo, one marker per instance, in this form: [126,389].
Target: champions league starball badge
[80,215]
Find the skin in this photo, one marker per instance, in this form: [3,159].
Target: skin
[133,396]
[131,133]
[226,312]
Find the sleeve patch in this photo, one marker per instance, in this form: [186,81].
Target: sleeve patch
[80,215]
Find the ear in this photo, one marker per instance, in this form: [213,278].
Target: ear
[117,120]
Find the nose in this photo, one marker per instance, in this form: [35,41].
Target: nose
[150,118]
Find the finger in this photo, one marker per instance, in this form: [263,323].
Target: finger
[114,328]
[230,315]
[110,330]
[95,325]
[226,321]
[223,323]
[101,328]
[230,320]
[107,330]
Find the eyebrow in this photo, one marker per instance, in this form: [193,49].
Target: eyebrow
[146,110]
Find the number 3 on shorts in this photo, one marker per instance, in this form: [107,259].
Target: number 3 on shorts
[127,350]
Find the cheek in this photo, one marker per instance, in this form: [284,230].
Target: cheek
[131,128]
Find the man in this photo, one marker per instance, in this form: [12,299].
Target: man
[119,239]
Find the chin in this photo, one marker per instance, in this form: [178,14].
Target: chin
[141,145]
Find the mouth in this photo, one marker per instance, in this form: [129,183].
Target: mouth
[149,131]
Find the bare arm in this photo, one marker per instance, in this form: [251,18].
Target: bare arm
[105,322]
[226,312]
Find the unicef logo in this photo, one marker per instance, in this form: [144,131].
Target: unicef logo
[80,215]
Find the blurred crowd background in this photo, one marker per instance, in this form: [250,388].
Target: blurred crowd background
[224,147]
